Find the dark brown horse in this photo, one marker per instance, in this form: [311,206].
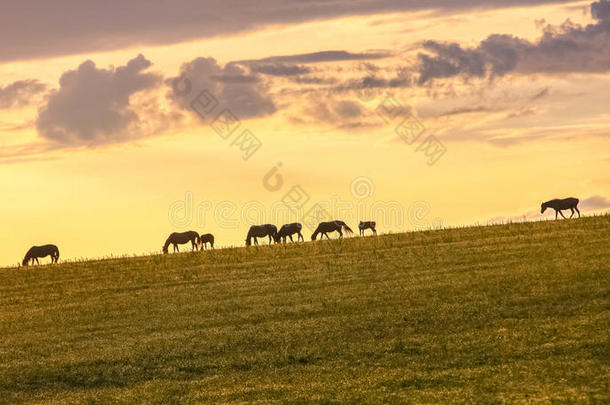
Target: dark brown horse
[288,230]
[208,237]
[331,226]
[260,231]
[180,238]
[367,225]
[37,252]
[561,204]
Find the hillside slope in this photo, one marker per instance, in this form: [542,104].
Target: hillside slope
[514,312]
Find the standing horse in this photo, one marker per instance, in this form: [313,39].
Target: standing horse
[288,230]
[260,231]
[367,225]
[180,238]
[331,226]
[558,205]
[37,252]
[208,237]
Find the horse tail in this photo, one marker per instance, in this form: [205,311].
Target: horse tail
[346,228]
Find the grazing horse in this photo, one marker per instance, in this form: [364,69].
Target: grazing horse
[260,231]
[208,237]
[367,225]
[331,226]
[37,252]
[288,230]
[561,204]
[180,238]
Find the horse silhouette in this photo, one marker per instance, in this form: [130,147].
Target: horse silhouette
[288,230]
[204,239]
[332,226]
[37,252]
[367,225]
[260,231]
[180,238]
[561,204]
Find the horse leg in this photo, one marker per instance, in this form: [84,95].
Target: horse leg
[37,262]
[556,212]
[340,233]
[301,238]
[291,240]
[572,209]
[255,241]
[561,213]
[374,231]
[576,208]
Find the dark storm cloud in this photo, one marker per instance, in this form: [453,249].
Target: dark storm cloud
[20,93]
[567,48]
[41,29]
[92,105]
[242,92]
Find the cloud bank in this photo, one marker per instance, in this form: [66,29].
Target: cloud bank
[92,105]
[63,27]
[567,48]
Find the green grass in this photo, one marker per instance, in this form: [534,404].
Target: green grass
[509,313]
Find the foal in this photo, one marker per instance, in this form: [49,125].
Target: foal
[204,239]
[367,225]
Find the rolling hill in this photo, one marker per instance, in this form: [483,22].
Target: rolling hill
[517,312]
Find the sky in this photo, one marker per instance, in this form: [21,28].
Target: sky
[123,122]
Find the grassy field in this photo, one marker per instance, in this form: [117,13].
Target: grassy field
[517,312]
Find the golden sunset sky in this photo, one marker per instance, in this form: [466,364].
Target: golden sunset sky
[103,153]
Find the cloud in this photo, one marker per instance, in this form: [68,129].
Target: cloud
[324,56]
[115,24]
[596,202]
[20,93]
[280,69]
[600,10]
[243,92]
[567,48]
[93,105]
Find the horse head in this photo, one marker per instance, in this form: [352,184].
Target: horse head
[543,208]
